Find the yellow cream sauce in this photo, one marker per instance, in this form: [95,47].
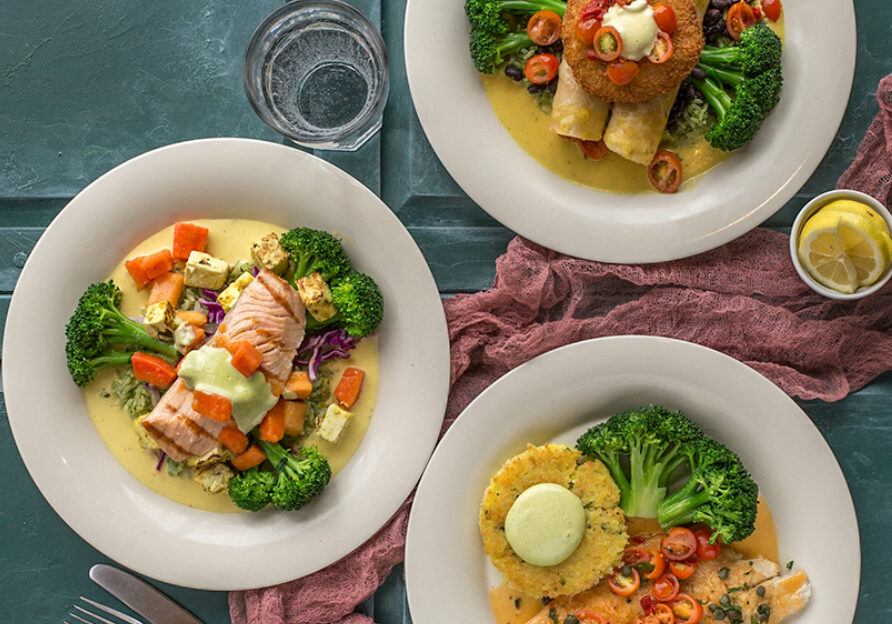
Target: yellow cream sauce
[528,125]
[231,240]
[510,606]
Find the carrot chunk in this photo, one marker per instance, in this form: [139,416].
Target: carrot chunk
[196,342]
[137,272]
[193,317]
[166,287]
[299,383]
[272,427]
[232,438]
[347,390]
[188,237]
[245,357]
[213,406]
[152,369]
[250,458]
[158,263]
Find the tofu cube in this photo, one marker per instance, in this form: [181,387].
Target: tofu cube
[161,318]
[227,298]
[145,440]
[316,296]
[205,271]
[268,253]
[334,423]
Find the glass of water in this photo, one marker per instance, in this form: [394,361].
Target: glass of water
[316,72]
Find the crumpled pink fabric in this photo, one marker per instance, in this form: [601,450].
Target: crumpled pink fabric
[744,299]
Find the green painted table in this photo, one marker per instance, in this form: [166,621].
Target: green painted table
[85,85]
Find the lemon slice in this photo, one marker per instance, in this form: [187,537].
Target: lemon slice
[844,250]
[859,208]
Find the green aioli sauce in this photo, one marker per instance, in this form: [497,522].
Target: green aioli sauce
[545,524]
[210,370]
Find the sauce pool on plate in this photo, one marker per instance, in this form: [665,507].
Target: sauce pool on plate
[229,239]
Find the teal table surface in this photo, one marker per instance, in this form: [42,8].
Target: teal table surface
[86,85]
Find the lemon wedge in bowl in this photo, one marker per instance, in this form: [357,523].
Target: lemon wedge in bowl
[843,249]
[860,208]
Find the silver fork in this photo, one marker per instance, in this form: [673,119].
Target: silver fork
[80,614]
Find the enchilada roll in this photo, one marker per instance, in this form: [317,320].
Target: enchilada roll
[575,113]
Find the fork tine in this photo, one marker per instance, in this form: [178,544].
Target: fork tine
[98,618]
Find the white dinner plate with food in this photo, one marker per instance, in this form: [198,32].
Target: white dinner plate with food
[76,472]
[560,394]
[725,202]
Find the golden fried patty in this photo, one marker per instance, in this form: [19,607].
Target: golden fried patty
[653,79]
[605,532]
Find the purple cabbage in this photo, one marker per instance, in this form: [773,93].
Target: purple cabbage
[161,459]
[154,393]
[209,301]
[322,347]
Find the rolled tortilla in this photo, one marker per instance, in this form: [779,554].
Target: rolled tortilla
[636,129]
[576,113]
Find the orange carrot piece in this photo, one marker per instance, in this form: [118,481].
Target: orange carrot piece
[199,336]
[272,427]
[193,317]
[233,439]
[153,369]
[137,272]
[299,383]
[347,390]
[166,287]
[295,415]
[154,264]
[213,406]
[245,357]
[188,237]
[250,458]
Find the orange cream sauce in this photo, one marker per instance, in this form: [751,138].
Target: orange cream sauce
[229,239]
[513,607]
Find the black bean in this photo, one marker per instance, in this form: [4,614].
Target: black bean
[722,5]
[537,88]
[557,46]
[698,73]
[514,72]
[553,84]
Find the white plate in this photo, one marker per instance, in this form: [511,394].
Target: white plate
[727,202]
[76,473]
[558,395]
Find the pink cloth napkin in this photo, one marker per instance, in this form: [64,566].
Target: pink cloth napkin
[744,299]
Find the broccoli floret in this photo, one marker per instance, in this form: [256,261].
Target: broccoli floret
[719,493]
[252,489]
[314,251]
[301,475]
[759,50]
[98,335]
[752,71]
[642,448]
[359,304]
[491,41]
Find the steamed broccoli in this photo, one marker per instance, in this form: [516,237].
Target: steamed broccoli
[752,70]
[359,304]
[492,37]
[314,251]
[642,448]
[301,475]
[98,335]
[719,493]
[251,490]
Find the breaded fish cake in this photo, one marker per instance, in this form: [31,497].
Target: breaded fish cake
[605,534]
[653,79]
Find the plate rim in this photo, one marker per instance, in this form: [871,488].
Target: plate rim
[632,346]
[557,214]
[437,354]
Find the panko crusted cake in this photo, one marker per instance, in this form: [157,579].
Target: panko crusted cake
[604,537]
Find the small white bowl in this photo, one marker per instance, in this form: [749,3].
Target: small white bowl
[812,207]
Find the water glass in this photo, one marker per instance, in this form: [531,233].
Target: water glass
[316,72]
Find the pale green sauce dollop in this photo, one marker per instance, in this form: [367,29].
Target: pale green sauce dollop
[210,370]
[545,524]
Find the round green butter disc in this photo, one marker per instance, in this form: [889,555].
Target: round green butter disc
[545,524]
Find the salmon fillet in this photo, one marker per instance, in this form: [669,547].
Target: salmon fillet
[270,316]
[780,596]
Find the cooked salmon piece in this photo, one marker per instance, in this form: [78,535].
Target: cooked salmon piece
[179,430]
[270,316]
[778,598]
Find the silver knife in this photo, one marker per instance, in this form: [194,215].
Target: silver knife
[140,596]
